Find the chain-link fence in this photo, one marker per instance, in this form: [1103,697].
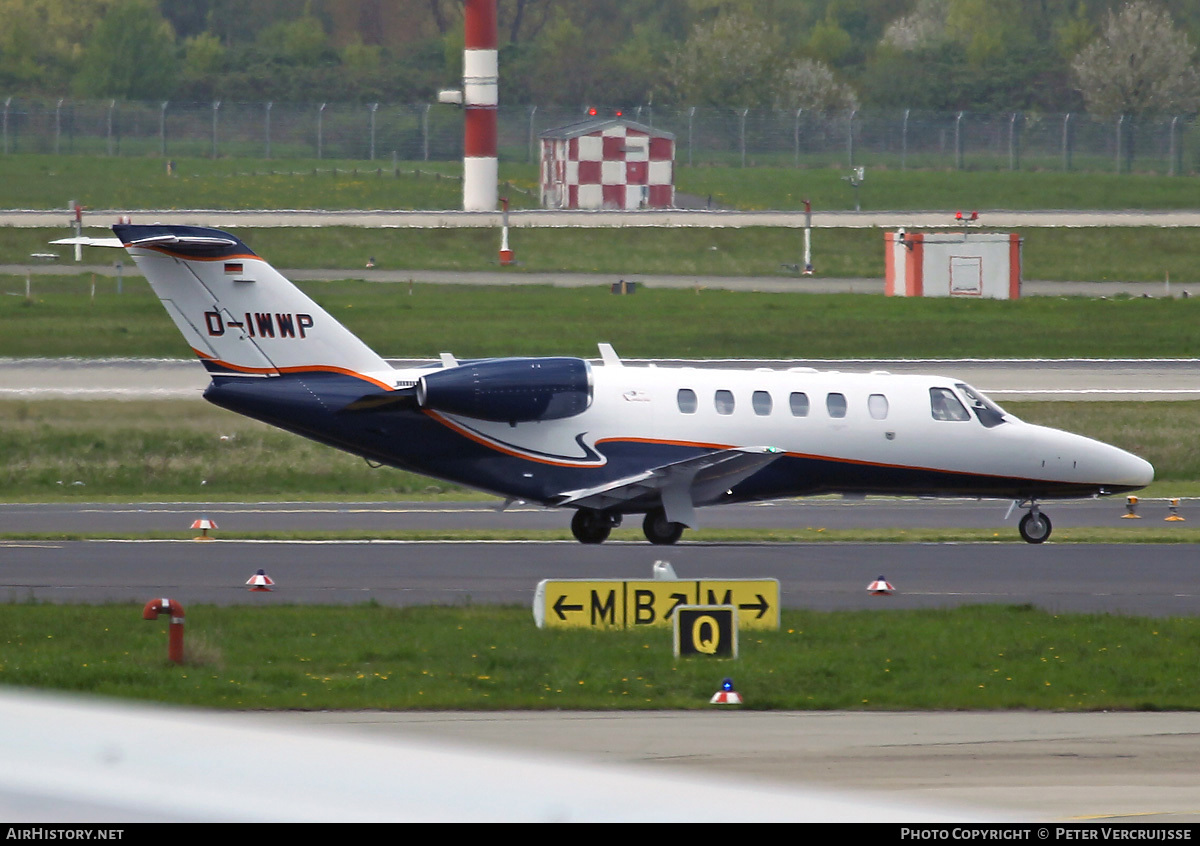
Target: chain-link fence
[897,139]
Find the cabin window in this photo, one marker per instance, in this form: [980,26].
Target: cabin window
[836,404]
[877,404]
[686,398]
[799,403]
[762,403]
[724,402]
[944,405]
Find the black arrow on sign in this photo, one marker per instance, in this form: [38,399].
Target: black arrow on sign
[761,605]
[559,608]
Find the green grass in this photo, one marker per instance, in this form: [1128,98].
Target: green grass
[950,190]
[38,181]
[43,181]
[480,658]
[188,449]
[1125,254]
[63,321]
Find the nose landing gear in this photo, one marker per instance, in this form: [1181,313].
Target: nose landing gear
[1035,526]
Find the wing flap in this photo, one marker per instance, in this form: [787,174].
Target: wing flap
[681,485]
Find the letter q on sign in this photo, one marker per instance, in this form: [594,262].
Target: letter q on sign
[706,630]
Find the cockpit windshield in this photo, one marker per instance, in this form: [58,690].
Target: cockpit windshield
[988,412]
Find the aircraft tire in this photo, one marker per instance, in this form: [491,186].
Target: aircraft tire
[659,530]
[1035,528]
[589,526]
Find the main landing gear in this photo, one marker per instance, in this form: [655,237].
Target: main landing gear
[1035,526]
[591,526]
[659,530]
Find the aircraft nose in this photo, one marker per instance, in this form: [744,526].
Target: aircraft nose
[1131,470]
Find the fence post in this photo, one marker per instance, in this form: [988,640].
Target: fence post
[320,128]
[7,103]
[1176,164]
[904,142]
[215,108]
[162,129]
[1120,142]
[691,115]
[1014,152]
[112,107]
[530,154]
[958,142]
[425,133]
[267,126]
[373,107]
[850,138]
[796,133]
[742,134]
[58,126]
[1066,142]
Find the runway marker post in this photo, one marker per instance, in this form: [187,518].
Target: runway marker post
[174,631]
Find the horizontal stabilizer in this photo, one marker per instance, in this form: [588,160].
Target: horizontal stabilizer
[88,241]
[681,485]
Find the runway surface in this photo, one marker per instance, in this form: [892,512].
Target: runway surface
[705,218]
[781,284]
[1154,580]
[819,513]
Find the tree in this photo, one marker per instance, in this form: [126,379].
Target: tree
[1140,65]
[130,55]
[41,42]
[810,84]
[732,61]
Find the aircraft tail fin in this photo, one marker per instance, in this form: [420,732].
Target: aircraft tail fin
[239,314]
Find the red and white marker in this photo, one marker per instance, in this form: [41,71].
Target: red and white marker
[203,524]
[880,587]
[480,99]
[726,697]
[260,581]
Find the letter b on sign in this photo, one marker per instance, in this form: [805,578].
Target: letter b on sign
[706,630]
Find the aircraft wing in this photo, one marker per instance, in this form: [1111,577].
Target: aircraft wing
[682,485]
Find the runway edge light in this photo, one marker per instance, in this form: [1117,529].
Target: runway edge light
[203,524]
[726,695]
[260,581]
[880,587]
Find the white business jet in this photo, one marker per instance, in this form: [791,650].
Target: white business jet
[607,440]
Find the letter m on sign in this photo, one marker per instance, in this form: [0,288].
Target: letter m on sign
[604,608]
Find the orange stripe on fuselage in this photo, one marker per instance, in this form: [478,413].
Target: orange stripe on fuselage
[311,368]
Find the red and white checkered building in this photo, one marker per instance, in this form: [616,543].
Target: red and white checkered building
[607,163]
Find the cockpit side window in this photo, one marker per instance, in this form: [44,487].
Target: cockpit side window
[988,412]
[944,405]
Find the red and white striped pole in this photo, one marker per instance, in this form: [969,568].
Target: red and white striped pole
[480,98]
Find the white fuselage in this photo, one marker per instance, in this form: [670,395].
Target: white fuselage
[852,419]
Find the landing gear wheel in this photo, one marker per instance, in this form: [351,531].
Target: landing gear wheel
[1035,527]
[659,530]
[590,526]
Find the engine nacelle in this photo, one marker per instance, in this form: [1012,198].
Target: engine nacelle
[510,390]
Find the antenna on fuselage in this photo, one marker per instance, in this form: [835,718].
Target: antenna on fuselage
[609,356]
